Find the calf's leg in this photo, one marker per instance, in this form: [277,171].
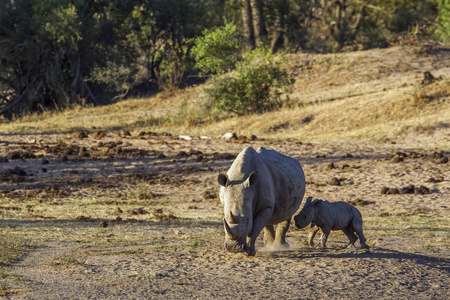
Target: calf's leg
[357,226]
[312,234]
[351,236]
[325,233]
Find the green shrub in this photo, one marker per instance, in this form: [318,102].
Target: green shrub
[217,51]
[443,28]
[255,86]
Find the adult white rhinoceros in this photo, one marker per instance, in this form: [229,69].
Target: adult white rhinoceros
[261,189]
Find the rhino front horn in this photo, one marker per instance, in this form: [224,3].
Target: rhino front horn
[234,219]
[228,229]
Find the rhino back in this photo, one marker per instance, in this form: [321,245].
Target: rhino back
[288,181]
[339,213]
[243,165]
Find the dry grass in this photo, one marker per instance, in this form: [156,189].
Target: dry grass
[334,97]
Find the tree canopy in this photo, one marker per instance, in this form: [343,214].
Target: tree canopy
[54,53]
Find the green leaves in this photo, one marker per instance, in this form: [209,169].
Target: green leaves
[255,86]
[217,51]
[442,31]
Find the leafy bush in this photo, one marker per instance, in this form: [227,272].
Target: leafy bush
[255,86]
[443,29]
[217,51]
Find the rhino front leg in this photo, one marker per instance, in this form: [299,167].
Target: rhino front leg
[312,234]
[259,222]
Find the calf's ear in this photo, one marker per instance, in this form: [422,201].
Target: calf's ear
[315,202]
[222,179]
[308,201]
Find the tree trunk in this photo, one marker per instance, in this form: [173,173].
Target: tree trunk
[278,28]
[247,25]
[258,21]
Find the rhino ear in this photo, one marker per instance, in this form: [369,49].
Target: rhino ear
[315,202]
[308,201]
[222,179]
[252,178]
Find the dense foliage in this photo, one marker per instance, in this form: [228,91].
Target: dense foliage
[54,53]
[255,86]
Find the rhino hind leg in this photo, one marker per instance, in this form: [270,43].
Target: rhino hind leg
[280,234]
[325,233]
[269,235]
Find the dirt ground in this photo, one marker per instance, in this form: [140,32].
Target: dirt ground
[160,191]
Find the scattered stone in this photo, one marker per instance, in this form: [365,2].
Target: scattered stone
[45,161]
[182,154]
[330,166]
[407,189]
[44,170]
[442,160]
[161,155]
[359,202]
[3,159]
[437,179]
[335,181]
[229,136]
[83,218]
[393,191]
[13,174]
[421,190]
[80,135]
[98,135]
[160,215]
[224,156]
[137,211]
[118,210]
[185,137]
[428,78]
[103,224]
[384,214]
[398,157]
[15,155]
[209,195]
[192,207]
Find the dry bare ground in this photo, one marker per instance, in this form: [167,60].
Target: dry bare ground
[119,215]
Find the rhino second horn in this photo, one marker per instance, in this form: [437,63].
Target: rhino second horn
[233,219]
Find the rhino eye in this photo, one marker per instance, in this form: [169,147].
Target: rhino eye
[304,216]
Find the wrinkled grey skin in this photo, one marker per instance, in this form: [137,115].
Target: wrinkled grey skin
[261,189]
[331,216]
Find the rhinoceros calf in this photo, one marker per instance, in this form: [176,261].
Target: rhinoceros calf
[331,216]
[261,189]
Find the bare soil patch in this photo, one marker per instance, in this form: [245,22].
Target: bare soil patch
[137,216]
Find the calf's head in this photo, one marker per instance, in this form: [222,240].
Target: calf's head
[306,215]
[237,197]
